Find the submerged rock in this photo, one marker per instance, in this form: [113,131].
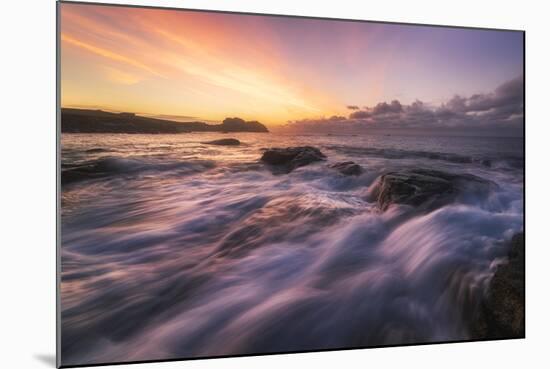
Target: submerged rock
[348,168]
[290,158]
[428,189]
[225,142]
[99,168]
[502,312]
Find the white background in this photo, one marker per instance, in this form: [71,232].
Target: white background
[27,206]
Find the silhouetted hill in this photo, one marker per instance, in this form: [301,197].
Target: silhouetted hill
[98,121]
[239,125]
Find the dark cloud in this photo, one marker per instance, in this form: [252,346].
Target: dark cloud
[499,112]
[352,107]
[361,114]
[381,109]
[385,108]
[337,118]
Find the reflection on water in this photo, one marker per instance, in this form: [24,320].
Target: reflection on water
[172,248]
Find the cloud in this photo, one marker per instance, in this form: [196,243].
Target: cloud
[337,118]
[352,107]
[361,114]
[497,113]
[385,108]
[108,54]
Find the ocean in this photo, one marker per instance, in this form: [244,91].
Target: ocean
[173,248]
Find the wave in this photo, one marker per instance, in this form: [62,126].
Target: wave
[277,270]
[500,162]
[236,260]
[369,280]
[97,150]
[110,166]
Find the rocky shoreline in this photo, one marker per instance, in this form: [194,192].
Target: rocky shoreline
[347,249]
[500,314]
[502,311]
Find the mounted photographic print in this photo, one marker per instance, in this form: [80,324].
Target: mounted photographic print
[244,184]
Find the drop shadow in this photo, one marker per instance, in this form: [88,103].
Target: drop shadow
[47,359]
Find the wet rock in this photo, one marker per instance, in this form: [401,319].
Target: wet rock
[75,175]
[348,168]
[94,169]
[425,188]
[502,312]
[225,142]
[289,158]
[486,163]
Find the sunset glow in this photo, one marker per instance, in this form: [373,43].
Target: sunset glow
[273,69]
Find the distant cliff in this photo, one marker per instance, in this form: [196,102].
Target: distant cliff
[239,125]
[98,121]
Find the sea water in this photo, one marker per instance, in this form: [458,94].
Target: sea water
[174,248]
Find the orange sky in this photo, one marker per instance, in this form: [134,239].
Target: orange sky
[273,69]
[189,64]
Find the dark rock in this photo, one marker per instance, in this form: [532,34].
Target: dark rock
[424,188]
[86,171]
[348,168]
[99,168]
[240,125]
[225,142]
[289,158]
[502,311]
[486,163]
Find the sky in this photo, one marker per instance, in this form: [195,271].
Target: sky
[208,66]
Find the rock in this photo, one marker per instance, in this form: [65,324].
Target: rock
[424,188]
[289,158]
[225,142]
[348,168]
[502,312]
[240,125]
[98,168]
